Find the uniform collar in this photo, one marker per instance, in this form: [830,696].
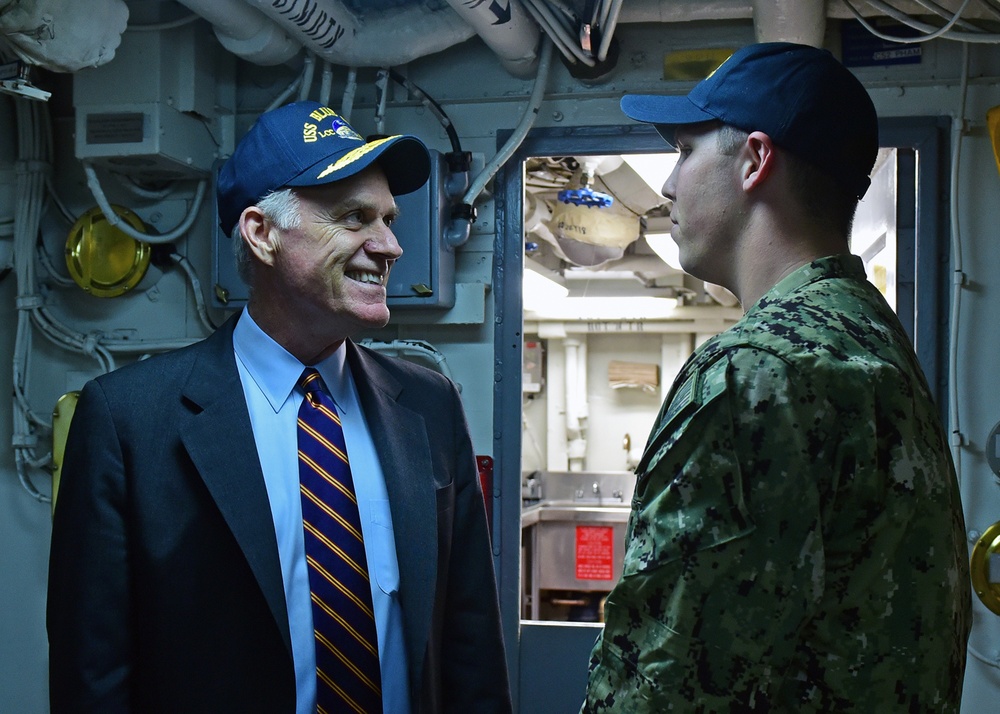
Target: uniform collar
[844,265]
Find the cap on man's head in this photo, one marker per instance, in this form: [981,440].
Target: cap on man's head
[800,96]
[307,144]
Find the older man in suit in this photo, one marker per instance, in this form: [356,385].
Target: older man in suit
[181,575]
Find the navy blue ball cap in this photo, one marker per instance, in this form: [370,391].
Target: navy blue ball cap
[800,96]
[308,144]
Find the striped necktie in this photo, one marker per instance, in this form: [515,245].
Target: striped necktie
[347,664]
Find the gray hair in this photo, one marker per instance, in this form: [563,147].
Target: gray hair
[280,207]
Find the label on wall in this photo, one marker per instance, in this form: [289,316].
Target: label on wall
[595,553]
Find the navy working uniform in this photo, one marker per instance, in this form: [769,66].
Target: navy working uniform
[796,542]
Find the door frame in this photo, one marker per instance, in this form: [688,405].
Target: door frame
[923,302]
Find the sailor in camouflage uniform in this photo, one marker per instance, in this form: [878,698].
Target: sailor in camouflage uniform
[796,542]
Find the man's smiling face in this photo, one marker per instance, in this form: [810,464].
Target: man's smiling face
[335,264]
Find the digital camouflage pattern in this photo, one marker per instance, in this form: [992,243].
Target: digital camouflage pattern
[796,541]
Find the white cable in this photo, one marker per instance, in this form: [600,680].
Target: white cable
[103,346]
[608,30]
[381,98]
[326,83]
[414,347]
[32,170]
[568,25]
[946,14]
[347,100]
[22,350]
[933,32]
[567,33]
[554,31]
[133,187]
[527,120]
[958,277]
[565,10]
[58,201]
[158,27]
[308,70]
[530,432]
[29,197]
[62,336]
[199,298]
[54,275]
[288,91]
[115,220]
[25,479]
[560,43]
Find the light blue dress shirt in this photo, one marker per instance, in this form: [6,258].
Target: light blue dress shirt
[269,374]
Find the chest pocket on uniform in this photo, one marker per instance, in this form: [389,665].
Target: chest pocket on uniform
[689,491]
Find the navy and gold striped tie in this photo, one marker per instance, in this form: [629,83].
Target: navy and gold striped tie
[347,665]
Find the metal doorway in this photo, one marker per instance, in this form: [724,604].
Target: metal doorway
[548,659]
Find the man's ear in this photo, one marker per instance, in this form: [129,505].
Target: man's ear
[256,231]
[760,160]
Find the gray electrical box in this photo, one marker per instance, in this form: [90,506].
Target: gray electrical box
[424,277]
[152,112]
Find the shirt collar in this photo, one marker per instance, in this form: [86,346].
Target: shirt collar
[832,266]
[276,371]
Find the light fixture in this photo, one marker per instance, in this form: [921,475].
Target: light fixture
[654,169]
[574,309]
[663,245]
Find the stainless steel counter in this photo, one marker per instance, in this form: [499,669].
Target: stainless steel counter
[572,539]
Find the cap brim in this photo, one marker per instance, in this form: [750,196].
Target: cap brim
[666,113]
[404,159]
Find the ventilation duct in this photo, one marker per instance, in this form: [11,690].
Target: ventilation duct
[510,32]
[802,21]
[245,32]
[63,35]
[69,35]
[383,38]
[333,33]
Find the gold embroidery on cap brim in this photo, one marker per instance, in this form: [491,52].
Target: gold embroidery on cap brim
[353,155]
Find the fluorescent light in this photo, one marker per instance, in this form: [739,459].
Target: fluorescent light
[606,308]
[654,169]
[663,245]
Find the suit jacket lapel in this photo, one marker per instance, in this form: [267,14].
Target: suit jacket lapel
[400,437]
[220,442]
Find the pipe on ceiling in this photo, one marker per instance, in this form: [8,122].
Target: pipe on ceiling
[510,32]
[63,35]
[272,31]
[246,32]
[684,10]
[801,21]
[332,32]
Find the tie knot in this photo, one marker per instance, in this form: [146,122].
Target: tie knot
[312,384]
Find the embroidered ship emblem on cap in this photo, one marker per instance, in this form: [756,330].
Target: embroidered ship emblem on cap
[338,127]
[344,130]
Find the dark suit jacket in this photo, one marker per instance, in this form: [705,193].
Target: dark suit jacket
[165,591]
